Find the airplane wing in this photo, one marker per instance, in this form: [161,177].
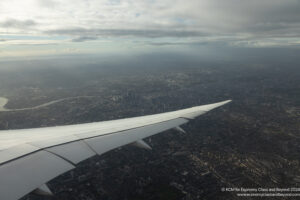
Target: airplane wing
[29,158]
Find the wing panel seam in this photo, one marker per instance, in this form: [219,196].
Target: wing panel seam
[55,154]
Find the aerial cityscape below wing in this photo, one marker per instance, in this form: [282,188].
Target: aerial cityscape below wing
[29,158]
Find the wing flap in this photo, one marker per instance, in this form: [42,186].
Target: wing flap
[16,152]
[108,142]
[54,141]
[75,152]
[25,174]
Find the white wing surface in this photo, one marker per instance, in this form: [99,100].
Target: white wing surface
[29,158]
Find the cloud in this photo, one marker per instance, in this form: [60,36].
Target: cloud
[84,38]
[174,43]
[121,33]
[50,4]
[255,20]
[30,42]
[18,24]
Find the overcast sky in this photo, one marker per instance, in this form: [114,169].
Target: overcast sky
[50,27]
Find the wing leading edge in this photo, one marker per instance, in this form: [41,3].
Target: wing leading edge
[29,158]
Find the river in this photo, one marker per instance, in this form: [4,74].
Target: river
[3,102]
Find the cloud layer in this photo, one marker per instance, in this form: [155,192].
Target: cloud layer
[236,21]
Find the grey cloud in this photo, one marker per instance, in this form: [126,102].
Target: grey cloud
[168,43]
[35,44]
[177,43]
[47,3]
[80,32]
[255,18]
[260,17]
[84,38]
[19,24]
[242,21]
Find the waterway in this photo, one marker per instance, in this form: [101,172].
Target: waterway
[3,102]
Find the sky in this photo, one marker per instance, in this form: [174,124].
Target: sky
[33,28]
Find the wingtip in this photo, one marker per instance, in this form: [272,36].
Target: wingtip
[225,102]
[216,105]
[200,110]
